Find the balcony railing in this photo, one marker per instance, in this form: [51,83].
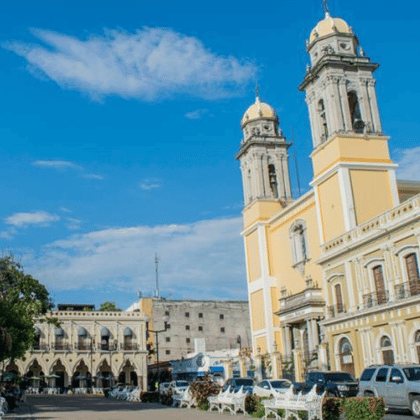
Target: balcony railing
[83,347]
[40,347]
[61,347]
[108,347]
[336,310]
[375,299]
[129,346]
[407,290]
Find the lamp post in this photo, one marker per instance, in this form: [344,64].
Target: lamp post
[156,332]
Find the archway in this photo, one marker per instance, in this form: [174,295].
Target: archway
[35,375]
[387,350]
[81,377]
[58,369]
[417,344]
[346,356]
[104,375]
[126,372]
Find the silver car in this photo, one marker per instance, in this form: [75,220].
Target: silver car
[269,387]
[398,385]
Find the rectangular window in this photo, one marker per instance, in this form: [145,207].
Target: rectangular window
[412,274]
[222,330]
[379,285]
[338,299]
[187,314]
[166,313]
[168,339]
[222,316]
[187,327]
[200,328]
[200,315]
[188,340]
[167,352]
[168,326]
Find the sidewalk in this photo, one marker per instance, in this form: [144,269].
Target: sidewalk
[87,408]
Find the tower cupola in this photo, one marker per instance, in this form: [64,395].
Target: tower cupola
[263,155]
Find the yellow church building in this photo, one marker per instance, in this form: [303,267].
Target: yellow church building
[333,276]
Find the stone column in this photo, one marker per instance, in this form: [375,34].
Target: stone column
[266,190]
[377,126]
[244,182]
[345,104]
[313,118]
[242,367]
[288,340]
[322,357]
[228,369]
[364,103]
[298,362]
[258,176]
[315,338]
[332,90]
[276,371]
[258,368]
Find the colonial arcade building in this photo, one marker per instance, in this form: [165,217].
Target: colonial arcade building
[90,348]
[333,276]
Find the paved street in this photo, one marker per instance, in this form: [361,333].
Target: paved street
[92,408]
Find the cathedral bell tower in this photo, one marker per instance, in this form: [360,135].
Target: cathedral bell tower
[263,157]
[354,177]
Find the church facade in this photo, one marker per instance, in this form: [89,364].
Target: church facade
[333,276]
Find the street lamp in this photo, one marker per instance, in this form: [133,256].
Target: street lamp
[156,332]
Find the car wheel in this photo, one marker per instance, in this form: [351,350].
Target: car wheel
[415,406]
[368,394]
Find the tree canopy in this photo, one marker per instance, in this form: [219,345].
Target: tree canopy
[22,300]
[109,307]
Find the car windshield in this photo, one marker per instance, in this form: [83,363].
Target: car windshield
[181,383]
[243,382]
[338,377]
[280,384]
[412,373]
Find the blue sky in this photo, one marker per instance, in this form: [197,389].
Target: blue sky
[120,122]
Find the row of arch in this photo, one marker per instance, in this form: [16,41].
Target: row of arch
[59,373]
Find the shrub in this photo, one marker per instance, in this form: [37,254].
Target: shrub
[366,408]
[331,408]
[201,390]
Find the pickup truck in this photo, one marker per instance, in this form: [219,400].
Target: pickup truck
[336,384]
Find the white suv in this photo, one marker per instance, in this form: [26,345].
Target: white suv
[398,385]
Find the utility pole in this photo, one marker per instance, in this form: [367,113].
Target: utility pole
[157,275]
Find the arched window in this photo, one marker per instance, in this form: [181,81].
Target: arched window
[37,340]
[355,115]
[417,344]
[273,180]
[413,274]
[105,337]
[59,339]
[299,242]
[346,356]
[322,120]
[82,339]
[387,351]
[378,276]
[128,339]
[338,299]
[249,178]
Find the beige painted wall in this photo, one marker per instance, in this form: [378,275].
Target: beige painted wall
[331,208]
[257,310]
[259,211]
[253,256]
[371,193]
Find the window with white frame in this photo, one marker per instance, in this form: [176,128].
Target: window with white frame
[298,237]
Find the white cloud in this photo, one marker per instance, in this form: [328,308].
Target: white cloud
[65,209]
[197,114]
[150,64]
[150,184]
[41,218]
[94,176]
[202,259]
[56,164]
[408,161]
[73,224]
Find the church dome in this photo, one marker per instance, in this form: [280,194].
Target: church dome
[258,110]
[329,26]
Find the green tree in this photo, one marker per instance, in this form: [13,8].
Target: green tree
[109,307]
[22,301]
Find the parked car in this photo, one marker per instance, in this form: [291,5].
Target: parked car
[237,383]
[336,384]
[398,385]
[164,387]
[178,387]
[270,387]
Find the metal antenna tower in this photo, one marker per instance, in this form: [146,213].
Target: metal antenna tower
[157,275]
